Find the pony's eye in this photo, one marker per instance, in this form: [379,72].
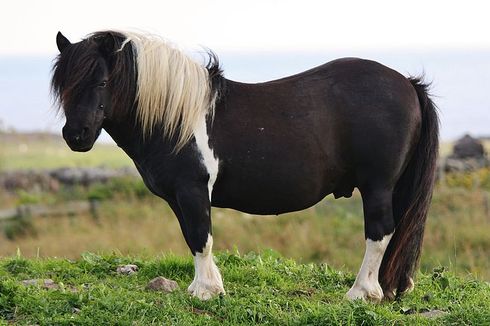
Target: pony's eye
[102,84]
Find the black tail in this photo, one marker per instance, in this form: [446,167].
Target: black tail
[411,199]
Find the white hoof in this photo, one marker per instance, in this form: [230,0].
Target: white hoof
[206,290]
[365,292]
[207,278]
[207,281]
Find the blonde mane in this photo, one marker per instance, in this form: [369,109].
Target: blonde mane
[173,91]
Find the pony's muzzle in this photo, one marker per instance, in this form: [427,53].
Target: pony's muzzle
[78,139]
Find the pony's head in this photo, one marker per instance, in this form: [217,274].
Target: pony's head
[90,78]
[109,74]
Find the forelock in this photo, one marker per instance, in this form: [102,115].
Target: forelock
[73,70]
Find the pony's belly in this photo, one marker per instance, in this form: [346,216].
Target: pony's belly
[277,178]
[268,199]
[263,206]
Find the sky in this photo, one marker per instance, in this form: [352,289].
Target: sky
[29,27]
[259,40]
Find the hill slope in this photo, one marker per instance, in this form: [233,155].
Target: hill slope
[262,289]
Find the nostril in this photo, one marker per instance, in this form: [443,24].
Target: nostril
[85,131]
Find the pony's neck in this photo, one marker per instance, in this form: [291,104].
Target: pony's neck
[126,134]
[132,139]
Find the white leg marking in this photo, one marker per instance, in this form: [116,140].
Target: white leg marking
[209,161]
[366,285]
[207,279]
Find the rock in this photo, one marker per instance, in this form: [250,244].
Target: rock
[28,180]
[465,164]
[468,147]
[433,313]
[468,155]
[162,284]
[84,176]
[127,269]
[44,283]
[52,180]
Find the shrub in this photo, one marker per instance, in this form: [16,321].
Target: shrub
[21,226]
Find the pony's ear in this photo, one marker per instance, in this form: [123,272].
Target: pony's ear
[61,41]
[106,43]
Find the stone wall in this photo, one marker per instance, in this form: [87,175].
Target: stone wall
[51,180]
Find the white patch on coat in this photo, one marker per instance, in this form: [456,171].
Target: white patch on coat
[366,285]
[208,159]
[207,281]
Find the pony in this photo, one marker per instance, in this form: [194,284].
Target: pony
[200,140]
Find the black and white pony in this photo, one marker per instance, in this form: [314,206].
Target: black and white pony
[200,140]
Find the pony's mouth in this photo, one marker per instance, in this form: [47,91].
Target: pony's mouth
[80,147]
[77,144]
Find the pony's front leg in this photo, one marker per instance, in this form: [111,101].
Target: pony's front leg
[193,211]
[207,278]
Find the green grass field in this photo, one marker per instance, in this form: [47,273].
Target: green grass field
[261,289]
[44,151]
[134,226]
[133,221]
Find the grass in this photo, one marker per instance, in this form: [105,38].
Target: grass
[261,289]
[135,227]
[134,222]
[331,231]
[45,151]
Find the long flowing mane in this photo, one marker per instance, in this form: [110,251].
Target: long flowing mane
[170,90]
[173,91]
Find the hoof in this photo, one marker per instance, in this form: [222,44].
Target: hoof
[392,294]
[205,290]
[365,292]
[410,286]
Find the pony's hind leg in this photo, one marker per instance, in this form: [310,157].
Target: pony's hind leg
[193,211]
[379,227]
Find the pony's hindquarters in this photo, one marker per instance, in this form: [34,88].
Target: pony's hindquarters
[395,179]
[411,199]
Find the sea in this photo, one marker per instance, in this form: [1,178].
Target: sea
[460,83]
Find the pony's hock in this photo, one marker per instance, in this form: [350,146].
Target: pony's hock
[201,140]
